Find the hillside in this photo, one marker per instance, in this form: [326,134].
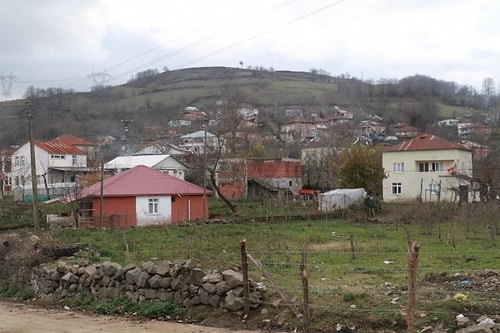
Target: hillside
[150,100]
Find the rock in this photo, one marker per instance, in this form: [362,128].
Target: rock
[232,278]
[233,302]
[133,275]
[177,283]
[69,278]
[150,293]
[222,288]
[149,267]
[203,296]
[120,273]
[214,277]
[165,282]
[195,277]
[164,268]
[142,279]
[110,268]
[209,288]
[62,267]
[154,282]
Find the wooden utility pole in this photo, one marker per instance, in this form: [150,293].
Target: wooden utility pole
[204,172]
[246,282]
[34,182]
[101,198]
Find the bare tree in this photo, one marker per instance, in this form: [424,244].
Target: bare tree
[213,169]
[488,90]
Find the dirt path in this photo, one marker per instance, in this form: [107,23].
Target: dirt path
[17,318]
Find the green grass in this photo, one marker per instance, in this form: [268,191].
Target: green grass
[380,256]
[368,278]
[124,306]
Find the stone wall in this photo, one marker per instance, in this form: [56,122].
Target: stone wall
[181,283]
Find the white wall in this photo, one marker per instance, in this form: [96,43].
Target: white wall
[415,183]
[164,215]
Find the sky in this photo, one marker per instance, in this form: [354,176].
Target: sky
[74,44]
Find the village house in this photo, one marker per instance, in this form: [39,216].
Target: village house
[198,141]
[141,196]
[165,163]
[427,168]
[478,150]
[298,128]
[6,168]
[57,165]
[86,146]
[259,178]
[403,131]
[466,129]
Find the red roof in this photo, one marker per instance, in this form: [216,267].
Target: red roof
[423,142]
[71,140]
[53,147]
[142,180]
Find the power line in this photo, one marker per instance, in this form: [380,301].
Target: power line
[102,77]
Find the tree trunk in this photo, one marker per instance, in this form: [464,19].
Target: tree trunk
[219,193]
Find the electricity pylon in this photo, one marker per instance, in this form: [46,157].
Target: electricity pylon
[7,81]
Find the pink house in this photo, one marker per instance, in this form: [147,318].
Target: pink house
[142,196]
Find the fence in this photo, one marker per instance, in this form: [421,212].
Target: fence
[456,288]
[349,273]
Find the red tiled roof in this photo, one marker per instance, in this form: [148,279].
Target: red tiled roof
[142,180]
[423,142]
[72,140]
[53,147]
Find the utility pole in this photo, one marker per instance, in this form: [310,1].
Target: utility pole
[34,182]
[204,171]
[101,197]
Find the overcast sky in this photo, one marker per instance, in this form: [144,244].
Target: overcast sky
[61,43]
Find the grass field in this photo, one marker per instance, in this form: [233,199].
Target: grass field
[356,271]
[357,267]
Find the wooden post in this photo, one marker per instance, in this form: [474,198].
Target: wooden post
[305,281]
[413,248]
[246,285]
[353,246]
[492,234]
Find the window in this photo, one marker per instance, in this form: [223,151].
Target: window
[398,167]
[16,161]
[58,157]
[153,206]
[23,160]
[423,167]
[437,166]
[396,188]
[430,166]
[73,159]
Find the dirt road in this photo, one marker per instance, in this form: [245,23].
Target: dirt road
[21,318]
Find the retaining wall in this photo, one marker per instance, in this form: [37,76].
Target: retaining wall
[181,283]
